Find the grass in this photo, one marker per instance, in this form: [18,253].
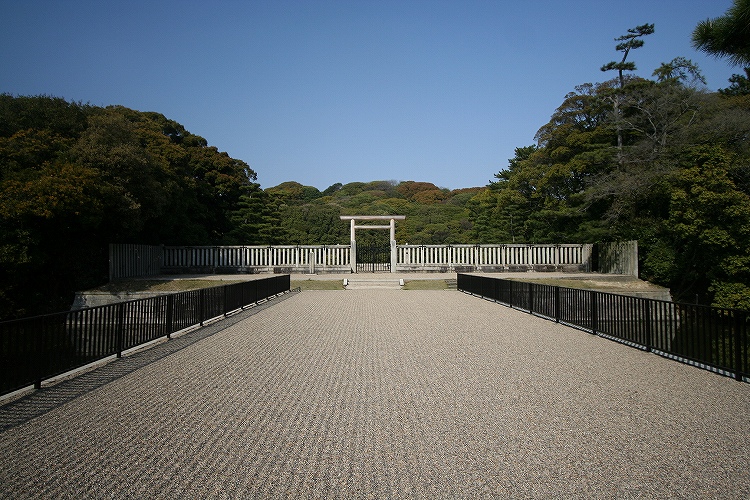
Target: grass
[562,282]
[160,285]
[425,285]
[317,284]
[592,284]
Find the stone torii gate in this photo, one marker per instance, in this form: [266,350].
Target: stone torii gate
[392,226]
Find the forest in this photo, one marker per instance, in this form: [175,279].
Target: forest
[661,160]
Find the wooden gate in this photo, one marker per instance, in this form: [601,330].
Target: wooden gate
[374,259]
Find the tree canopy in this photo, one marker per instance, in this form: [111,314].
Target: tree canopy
[727,36]
[76,177]
[676,180]
[632,40]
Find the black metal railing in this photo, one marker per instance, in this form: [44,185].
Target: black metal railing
[38,348]
[713,338]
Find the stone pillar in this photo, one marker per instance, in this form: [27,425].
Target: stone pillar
[353,249]
[587,250]
[393,246]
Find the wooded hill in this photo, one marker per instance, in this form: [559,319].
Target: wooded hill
[309,216]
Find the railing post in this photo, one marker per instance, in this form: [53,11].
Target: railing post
[594,313]
[120,328]
[740,353]
[169,322]
[649,324]
[40,350]
[531,298]
[557,304]
[201,305]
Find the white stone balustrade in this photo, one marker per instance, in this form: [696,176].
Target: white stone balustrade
[337,258]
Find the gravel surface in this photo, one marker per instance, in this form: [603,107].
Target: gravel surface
[385,394]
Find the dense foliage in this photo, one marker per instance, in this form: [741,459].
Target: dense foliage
[726,36]
[309,216]
[679,182]
[74,178]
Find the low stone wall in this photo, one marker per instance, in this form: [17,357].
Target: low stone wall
[83,300]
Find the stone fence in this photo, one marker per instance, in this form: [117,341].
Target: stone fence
[620,257]
[127,260]
[494,258]
[279,259]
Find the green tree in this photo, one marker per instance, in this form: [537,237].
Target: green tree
[726,36]
[740,85]
[75,178]
[499,213]
[679,70]
[332,189]
[49,237]
[708,230]
[54,114]
[574,149]
[632,40]
[313,224]
[678,183]
[294,192]
[256,220]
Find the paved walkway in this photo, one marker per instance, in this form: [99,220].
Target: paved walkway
[382,394]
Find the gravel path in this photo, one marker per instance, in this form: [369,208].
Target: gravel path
[387,394]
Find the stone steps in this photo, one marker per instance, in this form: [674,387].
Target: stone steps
[372,283]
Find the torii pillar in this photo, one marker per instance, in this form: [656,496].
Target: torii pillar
[353,240]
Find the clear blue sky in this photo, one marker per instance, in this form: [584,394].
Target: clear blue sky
[339,91]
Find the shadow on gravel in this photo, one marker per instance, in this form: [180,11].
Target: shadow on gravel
[46,399]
